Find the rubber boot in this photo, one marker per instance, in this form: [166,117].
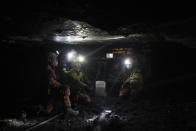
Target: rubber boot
[70,111]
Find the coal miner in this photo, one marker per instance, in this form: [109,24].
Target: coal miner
[134,81]
[58,91]
[78,85]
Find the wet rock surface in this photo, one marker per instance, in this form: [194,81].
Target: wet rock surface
[115,114]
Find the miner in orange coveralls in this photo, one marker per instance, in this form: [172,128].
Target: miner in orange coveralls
[58,93]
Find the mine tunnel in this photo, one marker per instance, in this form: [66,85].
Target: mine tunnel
[86,66]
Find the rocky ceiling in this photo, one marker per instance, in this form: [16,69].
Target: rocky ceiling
[67,21]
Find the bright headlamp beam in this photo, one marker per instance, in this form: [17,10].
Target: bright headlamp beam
[84,38]
[71,55]
[81,58]
[127,61]
[68,38]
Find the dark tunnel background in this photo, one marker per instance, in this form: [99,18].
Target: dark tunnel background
[23,74]
[173,72]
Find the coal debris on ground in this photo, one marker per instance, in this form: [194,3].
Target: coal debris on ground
[121,115]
